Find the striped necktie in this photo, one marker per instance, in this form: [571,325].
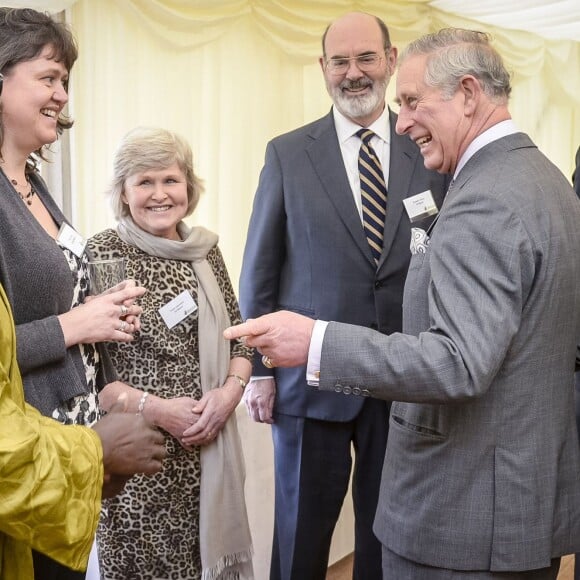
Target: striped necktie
[373,193]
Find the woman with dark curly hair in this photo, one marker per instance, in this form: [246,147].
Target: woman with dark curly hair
[43,262]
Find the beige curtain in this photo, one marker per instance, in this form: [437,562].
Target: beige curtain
[231,74]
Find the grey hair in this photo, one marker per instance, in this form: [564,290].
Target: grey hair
[151,148]
[456,52]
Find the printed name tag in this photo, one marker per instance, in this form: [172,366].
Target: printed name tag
[420,206]
[71,240]
[178,309]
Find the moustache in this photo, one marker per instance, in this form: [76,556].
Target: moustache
[357,84]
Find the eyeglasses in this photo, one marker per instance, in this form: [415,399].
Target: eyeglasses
[365,62]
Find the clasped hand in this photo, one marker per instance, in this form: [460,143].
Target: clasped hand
[213,410]
[176,415]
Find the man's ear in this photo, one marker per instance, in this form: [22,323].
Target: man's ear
[471,89]
[391,56]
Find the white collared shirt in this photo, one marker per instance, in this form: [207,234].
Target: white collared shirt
[350,145]
[502,129]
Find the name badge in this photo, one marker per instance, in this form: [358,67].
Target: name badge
[420,206]
[71,240]
[177,309]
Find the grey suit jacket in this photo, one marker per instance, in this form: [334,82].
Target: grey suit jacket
[482,468]
[306,250]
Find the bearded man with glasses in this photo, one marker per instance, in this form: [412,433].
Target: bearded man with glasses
[310,249]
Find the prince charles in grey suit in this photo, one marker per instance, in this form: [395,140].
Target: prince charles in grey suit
[482,469]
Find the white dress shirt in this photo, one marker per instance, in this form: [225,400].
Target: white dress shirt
[350,146]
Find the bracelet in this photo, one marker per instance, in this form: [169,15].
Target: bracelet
[243,383]
[142,403]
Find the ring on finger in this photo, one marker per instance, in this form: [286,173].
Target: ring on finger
[124,310]
[267,362]
[122,326]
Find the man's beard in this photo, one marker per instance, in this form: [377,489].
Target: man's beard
[354,106]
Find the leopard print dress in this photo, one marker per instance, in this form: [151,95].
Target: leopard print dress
[151,530]
[83,409]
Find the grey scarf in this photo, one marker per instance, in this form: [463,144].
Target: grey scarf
[225,541]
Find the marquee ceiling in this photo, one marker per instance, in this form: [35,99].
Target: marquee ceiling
[552,19]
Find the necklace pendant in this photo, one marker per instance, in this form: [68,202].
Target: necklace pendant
[24,197]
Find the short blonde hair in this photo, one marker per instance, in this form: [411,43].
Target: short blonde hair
[151,148]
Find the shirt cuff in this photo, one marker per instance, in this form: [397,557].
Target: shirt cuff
[260,377]
[315,352]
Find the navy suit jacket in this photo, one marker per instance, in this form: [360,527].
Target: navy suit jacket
[306,250]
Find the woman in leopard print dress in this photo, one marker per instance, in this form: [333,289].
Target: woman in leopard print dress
[189,521]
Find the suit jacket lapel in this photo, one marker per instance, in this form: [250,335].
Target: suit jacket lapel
[326,158]
[403,158]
